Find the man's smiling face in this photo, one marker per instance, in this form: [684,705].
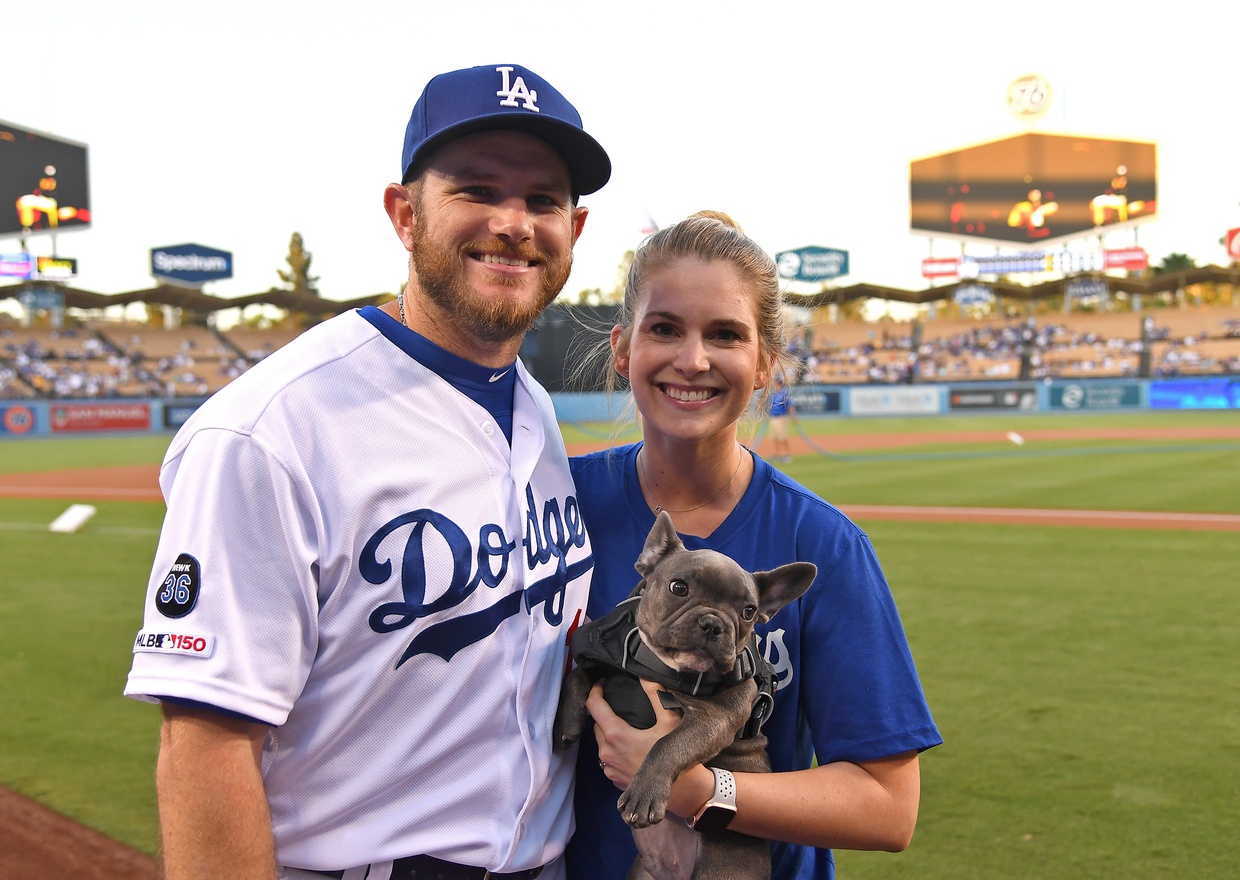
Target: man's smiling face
[493,232]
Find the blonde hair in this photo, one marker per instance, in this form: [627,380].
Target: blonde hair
[710,236]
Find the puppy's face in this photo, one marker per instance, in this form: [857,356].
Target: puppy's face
[698,607]
[697,610]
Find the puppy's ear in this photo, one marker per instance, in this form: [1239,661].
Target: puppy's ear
[660,543]
[779,586]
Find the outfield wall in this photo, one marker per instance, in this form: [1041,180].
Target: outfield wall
[77,417]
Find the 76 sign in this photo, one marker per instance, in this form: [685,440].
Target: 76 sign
[1029,96]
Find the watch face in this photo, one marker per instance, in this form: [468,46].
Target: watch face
[714,818]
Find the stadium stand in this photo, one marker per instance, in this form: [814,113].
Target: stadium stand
[140,339]
[255,344]
[115,359]
[111,359]
[12,387]
[1191,340]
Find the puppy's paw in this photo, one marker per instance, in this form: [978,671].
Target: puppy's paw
[566,731]
[643,805]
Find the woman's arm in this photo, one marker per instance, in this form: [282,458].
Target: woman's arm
[870,806]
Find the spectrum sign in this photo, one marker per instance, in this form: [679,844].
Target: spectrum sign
[190,265]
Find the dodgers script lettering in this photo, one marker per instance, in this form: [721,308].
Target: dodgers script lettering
[550,534]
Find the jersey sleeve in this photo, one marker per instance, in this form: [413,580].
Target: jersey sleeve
[859,686]
[231,610]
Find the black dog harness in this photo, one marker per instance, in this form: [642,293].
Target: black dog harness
[613,644]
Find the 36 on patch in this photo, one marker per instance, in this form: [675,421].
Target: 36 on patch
[178,594]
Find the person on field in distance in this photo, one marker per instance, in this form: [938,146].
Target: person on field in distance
[358,614]
[779,411]
[701,331]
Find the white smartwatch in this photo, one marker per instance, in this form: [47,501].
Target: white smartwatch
[717,813]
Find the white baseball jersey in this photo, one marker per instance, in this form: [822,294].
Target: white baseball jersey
[354,554]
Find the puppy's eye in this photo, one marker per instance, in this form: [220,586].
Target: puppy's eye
[679,588]
[749,612]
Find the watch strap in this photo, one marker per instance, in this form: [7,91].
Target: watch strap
[717,813]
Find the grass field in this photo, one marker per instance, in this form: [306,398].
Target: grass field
[1087,681]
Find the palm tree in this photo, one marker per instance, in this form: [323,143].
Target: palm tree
[1174,263]
[298,276]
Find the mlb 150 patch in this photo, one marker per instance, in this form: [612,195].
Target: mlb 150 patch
[179,591]
[183,643]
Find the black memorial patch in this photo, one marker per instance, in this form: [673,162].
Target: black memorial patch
[179,592]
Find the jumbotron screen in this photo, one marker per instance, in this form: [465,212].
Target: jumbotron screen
[44,185]
[1034,188]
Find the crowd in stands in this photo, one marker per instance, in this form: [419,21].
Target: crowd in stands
[123,360]
[110,359]
[1205,341]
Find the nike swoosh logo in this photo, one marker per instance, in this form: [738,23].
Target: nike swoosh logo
[499,376]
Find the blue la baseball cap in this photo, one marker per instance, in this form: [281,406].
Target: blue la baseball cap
[502,96]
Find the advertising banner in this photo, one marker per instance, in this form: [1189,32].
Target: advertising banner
[1232,241]
[812,263]
[41,298]
[1223,393]
[17,419]
[993,398]
[1062,262]
[1086,290]
[72,417]
[16,265]
[176,414]
[940,267]
[1083,395]
[900,400]
[1132,259]
[55,268]
[815,401]
[973,295]
[190,265]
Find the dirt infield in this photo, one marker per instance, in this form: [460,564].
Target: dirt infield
[37,842]
[141,482]
[138,482]
[855,442]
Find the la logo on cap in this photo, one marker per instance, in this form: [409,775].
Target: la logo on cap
[512,91]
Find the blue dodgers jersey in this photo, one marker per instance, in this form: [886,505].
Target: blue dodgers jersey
[848,688]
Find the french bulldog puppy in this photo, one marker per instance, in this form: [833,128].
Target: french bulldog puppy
[688,625]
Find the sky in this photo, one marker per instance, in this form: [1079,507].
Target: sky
[235,124]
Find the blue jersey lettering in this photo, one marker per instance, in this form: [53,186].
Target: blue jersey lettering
[549,534]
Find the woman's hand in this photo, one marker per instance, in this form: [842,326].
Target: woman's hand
[621,748]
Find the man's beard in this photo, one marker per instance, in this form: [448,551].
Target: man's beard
[441,275]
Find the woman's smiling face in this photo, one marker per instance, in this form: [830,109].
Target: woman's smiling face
[693,355]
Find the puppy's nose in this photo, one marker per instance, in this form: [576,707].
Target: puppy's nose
[712,627]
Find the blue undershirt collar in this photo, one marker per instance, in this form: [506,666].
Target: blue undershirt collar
[491,389]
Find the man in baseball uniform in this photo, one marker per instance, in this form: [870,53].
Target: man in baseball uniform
[358,616]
